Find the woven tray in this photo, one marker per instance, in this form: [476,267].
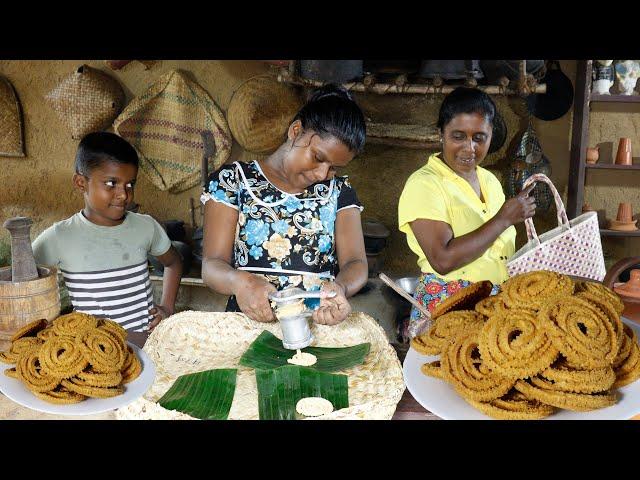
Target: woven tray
[190,342]
[11,134]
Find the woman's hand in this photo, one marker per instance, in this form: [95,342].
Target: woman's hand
[332,310]
[519,208]
[252,296]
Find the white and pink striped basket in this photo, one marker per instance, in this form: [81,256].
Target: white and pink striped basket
[572,248]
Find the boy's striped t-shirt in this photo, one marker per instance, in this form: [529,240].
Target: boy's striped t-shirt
[105,268]
[123,295]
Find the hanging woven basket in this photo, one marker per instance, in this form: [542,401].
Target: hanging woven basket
[11,134]
[173,125]
[87,101]
[260,112]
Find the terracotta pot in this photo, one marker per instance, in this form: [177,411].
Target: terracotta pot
[593,154]
[623,157]
[631,302]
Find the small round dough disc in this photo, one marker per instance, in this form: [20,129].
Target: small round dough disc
[313,406]
[303,358]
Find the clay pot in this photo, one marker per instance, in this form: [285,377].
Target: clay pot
[593,154]
[628,292]
[624,220]
[623,157]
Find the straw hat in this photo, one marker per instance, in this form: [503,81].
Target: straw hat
[11,144]
[260,112]
[87,100]
[173,125]
[624,221]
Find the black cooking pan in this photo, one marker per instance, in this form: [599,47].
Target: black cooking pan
[559,97]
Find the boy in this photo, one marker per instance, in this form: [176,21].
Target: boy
[102,250]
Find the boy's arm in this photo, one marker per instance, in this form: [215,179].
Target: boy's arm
[172,261]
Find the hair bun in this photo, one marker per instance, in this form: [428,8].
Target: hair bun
[330,90]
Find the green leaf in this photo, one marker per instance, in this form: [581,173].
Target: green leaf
[280,389]
[205,395]
[267,352]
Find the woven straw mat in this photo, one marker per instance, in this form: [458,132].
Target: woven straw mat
[260,112]
[11,144]
[87,100]
[168,125]
[191,342]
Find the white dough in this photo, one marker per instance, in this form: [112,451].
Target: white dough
[313,406]
[303,358]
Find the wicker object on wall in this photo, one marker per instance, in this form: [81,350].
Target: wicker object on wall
[173,124]
[260,112]
[87,100]
[11,137]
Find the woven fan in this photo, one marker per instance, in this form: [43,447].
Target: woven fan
[87,101]
[173,125]
[11,135]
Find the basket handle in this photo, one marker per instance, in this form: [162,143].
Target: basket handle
[561,212]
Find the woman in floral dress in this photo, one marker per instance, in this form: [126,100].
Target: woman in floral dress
[289,220]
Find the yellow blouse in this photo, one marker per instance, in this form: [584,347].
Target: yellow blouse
[435,192]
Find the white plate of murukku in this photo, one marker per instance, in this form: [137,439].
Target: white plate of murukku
[440,398]
[15,390]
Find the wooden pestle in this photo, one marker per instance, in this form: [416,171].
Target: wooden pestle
[23,265]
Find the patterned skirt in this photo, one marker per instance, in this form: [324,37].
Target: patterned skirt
[431,290]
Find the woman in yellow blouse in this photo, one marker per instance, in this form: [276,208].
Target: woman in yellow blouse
[454,212]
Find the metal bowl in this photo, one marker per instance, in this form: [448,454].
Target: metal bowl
[408,284]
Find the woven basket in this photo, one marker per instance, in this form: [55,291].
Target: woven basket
[11,137]
[87,101]
[260,112]
[572,248]
[167,124]
[190,342]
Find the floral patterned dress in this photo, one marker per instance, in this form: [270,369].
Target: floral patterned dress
[287,238]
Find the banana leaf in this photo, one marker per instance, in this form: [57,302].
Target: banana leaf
[205,395]
[267,352]
[280,389]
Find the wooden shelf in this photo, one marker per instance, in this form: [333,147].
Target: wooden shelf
[615,98]
[409,88]
[418,137]
[613,166]
[616,233]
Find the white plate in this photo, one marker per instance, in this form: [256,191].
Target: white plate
[15,390]
[441,399]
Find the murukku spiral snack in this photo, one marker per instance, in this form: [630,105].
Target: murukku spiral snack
[464,299]
[557,347]
[30,329]
[531,290]
[432,369]
[492,305]
[580,331]
[600,290]
[73,358]
[96,392]
[580,402]
[563,378]
[60,395]
[30,372]
[444,328]
[605,305]
[513,406]
[463,368]
[101,349]
[18,347]
[132,367]
[514,345]
[74,323]
[61,357]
